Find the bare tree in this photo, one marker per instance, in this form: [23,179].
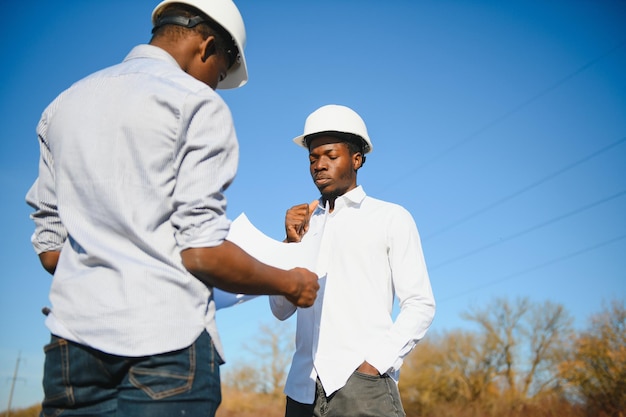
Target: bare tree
[271,349]
[425,379]
[596,368]
[473,364]
[274,350]
[242,377]
[548,330]
[522,341]
[455,368]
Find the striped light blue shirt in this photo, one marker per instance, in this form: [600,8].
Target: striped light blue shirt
[134,163]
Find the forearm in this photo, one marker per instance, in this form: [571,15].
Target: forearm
[49,260]
[231,269]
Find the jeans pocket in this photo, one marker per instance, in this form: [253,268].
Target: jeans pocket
[58,391]
[165,375]
[368,377]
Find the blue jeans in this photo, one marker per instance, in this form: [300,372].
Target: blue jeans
[81,381]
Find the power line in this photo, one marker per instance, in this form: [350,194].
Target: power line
[536,267]
[528,230]
[511,112]
[524,189]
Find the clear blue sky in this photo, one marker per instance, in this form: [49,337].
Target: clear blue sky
[501,126]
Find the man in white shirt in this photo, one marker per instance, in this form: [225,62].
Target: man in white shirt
[130,217]
[348,347]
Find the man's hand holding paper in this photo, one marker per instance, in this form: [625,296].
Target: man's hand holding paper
[271,252]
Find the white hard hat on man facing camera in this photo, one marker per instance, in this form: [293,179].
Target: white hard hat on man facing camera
[334,118]
[225,14]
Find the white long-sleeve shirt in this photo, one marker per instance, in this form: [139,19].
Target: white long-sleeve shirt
[370,251]
[134,162]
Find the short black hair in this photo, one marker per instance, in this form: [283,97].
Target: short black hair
[177,19]
[355,142]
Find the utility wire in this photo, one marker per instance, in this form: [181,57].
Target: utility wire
[511,112]
[524,189]
[526,231]
[536,267]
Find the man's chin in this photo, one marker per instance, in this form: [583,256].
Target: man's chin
[328,194]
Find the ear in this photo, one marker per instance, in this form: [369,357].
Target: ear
[208,48]
[357,160]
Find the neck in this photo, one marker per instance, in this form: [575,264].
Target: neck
[331,197]
[182,50]
[330,201]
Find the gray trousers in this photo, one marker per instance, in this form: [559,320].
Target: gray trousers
[362,396]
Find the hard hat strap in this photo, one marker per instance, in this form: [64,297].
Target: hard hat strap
[188,22]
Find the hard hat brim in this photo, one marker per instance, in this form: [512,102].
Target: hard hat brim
[237,75]
[299,140]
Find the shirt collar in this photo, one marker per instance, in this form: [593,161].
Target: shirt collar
[353,197]
[150,51]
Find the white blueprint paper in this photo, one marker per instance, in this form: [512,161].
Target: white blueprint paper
[267,250]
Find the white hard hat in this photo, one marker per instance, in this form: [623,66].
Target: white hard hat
[226,14]
[335,118]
